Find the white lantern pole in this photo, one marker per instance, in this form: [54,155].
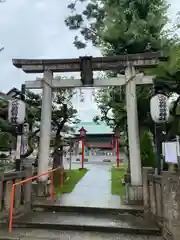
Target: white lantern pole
[159,109]
[21,129]
[16,116]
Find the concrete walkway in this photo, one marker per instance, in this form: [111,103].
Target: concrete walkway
[94,190]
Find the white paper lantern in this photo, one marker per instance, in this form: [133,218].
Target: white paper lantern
[159,108]
[16,111]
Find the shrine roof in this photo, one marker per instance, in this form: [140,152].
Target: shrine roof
[93,128]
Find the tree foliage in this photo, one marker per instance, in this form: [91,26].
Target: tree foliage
[167,80]
[110,102]
[118,26]
[62,113]
[114,98]
[6,140]
[148,157]
[5,127]
[121,27]
[168,73]
[133,26]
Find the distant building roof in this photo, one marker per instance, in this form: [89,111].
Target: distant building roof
[93,128]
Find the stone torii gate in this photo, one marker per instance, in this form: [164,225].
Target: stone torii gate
[86,65]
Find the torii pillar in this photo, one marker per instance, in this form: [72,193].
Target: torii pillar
[45,127]
[133,128]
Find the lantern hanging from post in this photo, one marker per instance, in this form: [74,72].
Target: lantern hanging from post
[82,132]
[82,135]
[16,111]
[159,108]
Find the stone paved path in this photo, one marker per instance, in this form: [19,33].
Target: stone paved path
[94,190]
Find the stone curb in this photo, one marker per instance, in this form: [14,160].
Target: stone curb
[9,238]
[90,228]
[85,210]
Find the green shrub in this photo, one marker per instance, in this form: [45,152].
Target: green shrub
[5,141]
[3,155]
[4,149]
[148,157]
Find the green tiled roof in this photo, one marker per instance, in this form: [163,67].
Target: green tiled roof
[93,128]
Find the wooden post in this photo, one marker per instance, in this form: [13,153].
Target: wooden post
[28,187]
[113,144]
[117,151]
[1,190]
[146,195]
[82,152]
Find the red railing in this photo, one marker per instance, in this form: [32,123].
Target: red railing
[30,179]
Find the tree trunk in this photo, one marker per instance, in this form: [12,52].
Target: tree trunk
[37,156]
[58,163]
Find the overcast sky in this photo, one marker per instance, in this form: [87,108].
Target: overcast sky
[36,29]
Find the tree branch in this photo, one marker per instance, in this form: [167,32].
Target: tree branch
[109,119]
[30,144]
[61,124]
[173,111]
[4,113]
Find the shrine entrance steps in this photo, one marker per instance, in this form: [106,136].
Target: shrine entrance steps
[52,221]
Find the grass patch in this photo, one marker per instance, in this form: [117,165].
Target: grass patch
[73,177]
[117,174]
